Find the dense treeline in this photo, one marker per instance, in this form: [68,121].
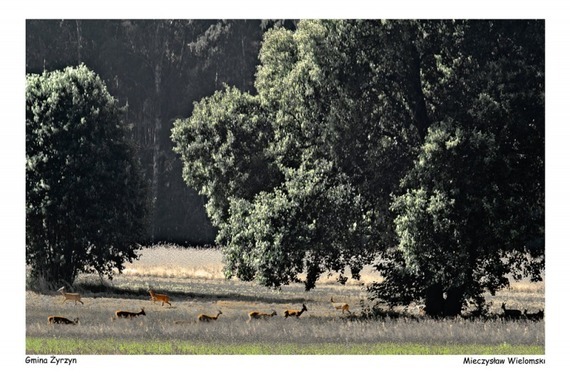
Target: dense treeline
[156,68]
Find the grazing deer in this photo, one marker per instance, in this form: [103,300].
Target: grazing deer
[340,306]
[70,296]
[159,297]
[295,313]
[128,314]
[510,313]
[52,319]
[534,316]
[260,315]
[208,318]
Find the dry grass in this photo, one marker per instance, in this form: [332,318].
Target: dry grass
[175,262]
[204,263]
[319,324]
[194,281]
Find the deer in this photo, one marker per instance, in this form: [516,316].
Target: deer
[53,319]
[295,313]
[208,318]
[260,315]
[534,316]
[159,297]
[422,310]
[510,313]
[340,306]
[128,314]
[70,296]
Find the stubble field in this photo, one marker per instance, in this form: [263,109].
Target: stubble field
[194,281]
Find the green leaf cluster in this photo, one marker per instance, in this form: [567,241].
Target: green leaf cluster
[85,197]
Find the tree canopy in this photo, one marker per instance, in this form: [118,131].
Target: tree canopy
[417,145]
[85,195]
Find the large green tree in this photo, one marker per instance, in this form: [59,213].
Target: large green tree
[416,143]
[85,196]
[456,225]
[470,212]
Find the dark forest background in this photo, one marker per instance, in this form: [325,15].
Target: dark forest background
[157,69]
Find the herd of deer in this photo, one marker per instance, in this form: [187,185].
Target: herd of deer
[517,314]
[165,299]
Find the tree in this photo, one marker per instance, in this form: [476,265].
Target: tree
[470,211]
[454,224]
[85,196]
[287,154]
[416,143]
[310,223]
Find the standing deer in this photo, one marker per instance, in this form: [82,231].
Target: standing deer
[159,297]
[510,313]
[295,313]
[534,316]
[70,296]
[340,306]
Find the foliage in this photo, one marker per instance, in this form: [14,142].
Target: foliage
[85,197]
[296,87]
[308,223]
[416,143]
[471,208]
[225,152]
[453,228]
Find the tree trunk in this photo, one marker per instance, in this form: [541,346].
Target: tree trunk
[453,302]
[440,303]
[417,97]
[156,145]
[79,40]
[434,300]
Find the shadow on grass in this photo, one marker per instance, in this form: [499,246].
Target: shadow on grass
[108,291]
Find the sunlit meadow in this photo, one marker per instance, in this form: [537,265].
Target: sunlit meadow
[194,280]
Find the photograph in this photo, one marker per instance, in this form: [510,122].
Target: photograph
[285,193]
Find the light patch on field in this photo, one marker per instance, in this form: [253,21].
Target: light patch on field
[171,261]
[176,262]
[527,287]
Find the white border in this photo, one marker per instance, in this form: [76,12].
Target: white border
[12,77]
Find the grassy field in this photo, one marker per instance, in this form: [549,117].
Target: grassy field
[194,281]
[112,346]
